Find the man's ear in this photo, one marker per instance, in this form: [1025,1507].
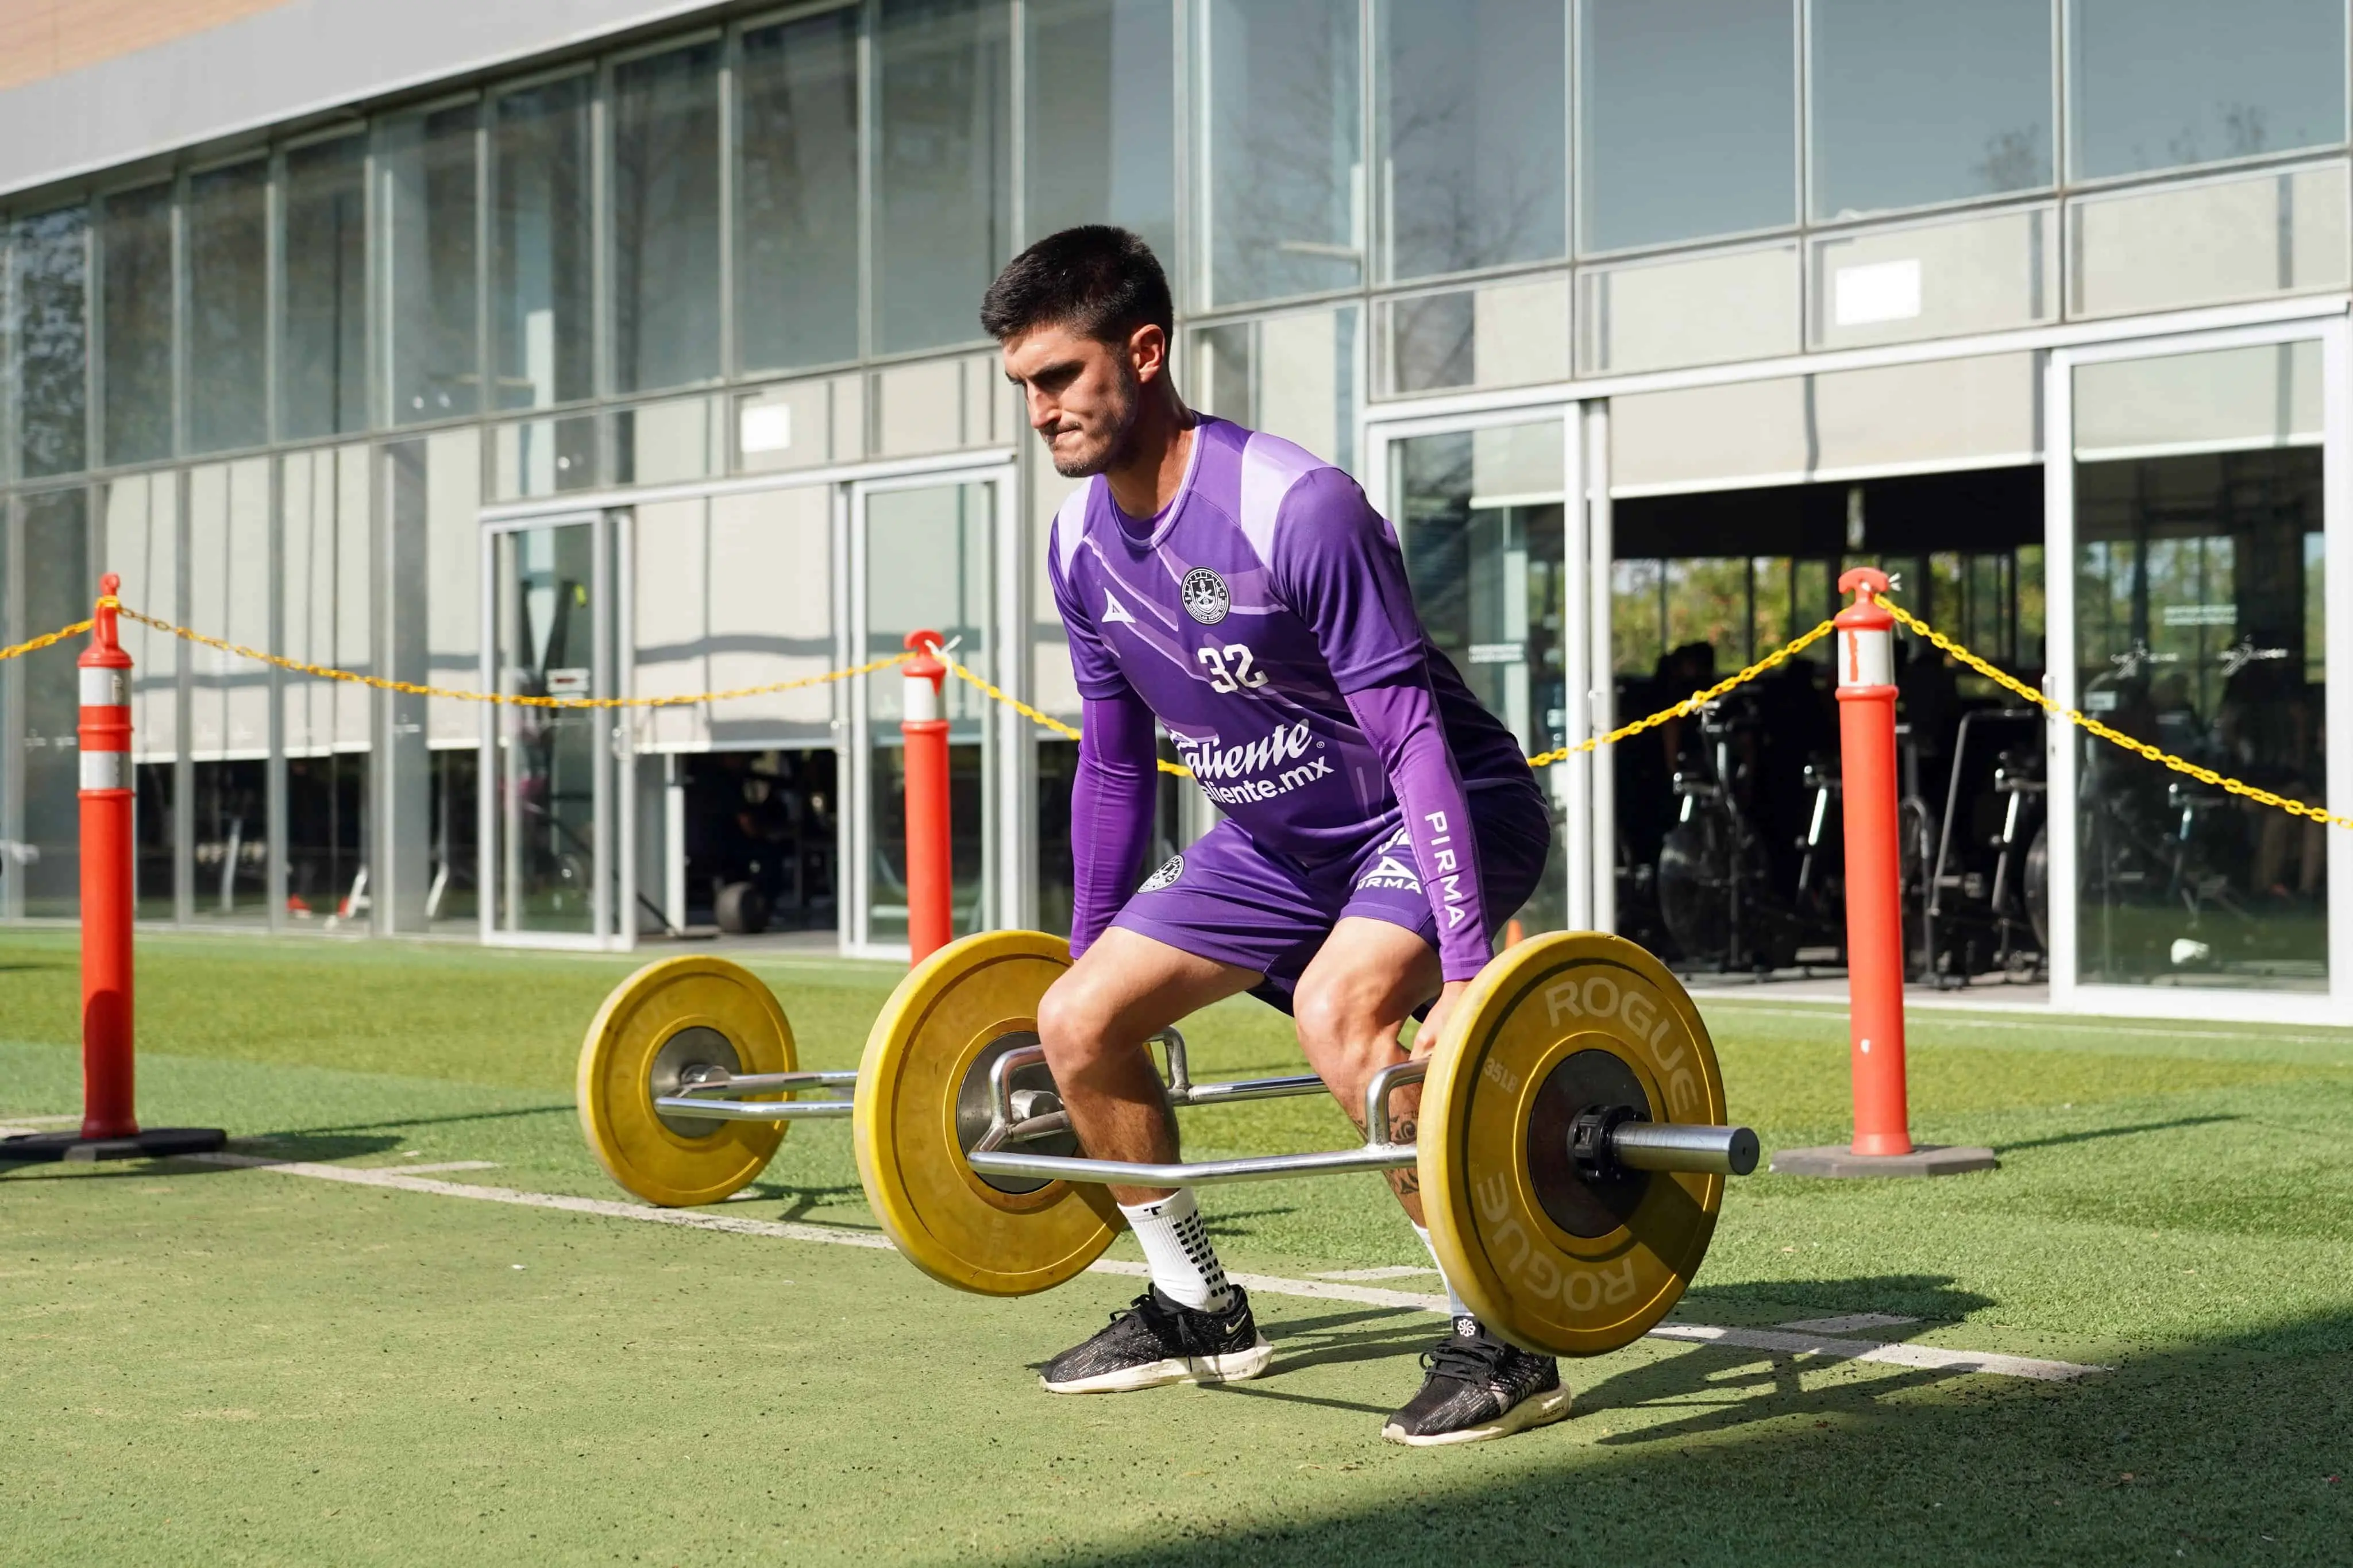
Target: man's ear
[1147,352]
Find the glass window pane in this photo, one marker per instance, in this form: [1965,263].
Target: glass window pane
[1654,315]
[542,456]
[228,301]
[1103,109]
[542,245]
[1917,102]
[796,198]
[135,241]
[1293,376]
[1480,515]
[1939,279]
[1474,126]
[944,217]
[431,324]
[801,424]
[323,368]
[546,780]
[324,574]
[662,442]
[2273,233]
[48,266]
[2197,584]
[666,218]
[935,542]
[1690,120]
[57,584]
[1506,334]
[1285,181]
[2154,84]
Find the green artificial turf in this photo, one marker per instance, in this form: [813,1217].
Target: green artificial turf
[248,1366]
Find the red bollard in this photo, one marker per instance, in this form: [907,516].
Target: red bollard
[1882,1142]
[106,878]
[1865,641]
[110,1125]
[931,873]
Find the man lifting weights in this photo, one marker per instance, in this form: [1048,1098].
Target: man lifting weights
[1379,826]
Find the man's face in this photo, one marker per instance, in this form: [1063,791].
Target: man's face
[1082,392]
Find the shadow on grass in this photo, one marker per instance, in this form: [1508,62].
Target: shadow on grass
[1932,1298]
[2235,1451]
[403,1121]
[2097,1132]
[1229,1224]
[287,1146]
[800,1201]
[310,1147]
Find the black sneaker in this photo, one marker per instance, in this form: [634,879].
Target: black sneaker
[1156,1342]
[1477,1387]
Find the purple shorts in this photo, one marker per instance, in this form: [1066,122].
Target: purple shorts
[1227,899]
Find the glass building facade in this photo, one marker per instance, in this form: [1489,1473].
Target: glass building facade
[651,367]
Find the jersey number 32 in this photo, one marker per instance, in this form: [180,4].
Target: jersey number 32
[1240,676]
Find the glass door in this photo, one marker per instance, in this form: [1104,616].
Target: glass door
[547,821]
[922,556]
[2198,598]
[1491,548]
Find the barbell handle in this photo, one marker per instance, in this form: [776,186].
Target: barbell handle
[1682,1146]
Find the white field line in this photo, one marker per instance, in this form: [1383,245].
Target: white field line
[1846,1323]
[401,1181]
[444,1165]
[1929,1356]
[1932,1356]
[1391,1271]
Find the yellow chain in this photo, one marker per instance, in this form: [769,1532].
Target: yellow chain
[48,639]
[455,694]
[1691,704]
[1688,705]
[2084,720]
[1067,732]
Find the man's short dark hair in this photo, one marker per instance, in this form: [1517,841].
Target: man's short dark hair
[1096,280]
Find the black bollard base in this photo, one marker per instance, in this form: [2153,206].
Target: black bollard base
[151,1144]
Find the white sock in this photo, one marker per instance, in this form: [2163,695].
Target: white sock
[1453,1302]
[1184,1264]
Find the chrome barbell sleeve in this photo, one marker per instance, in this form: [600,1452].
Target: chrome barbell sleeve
[1678,1146]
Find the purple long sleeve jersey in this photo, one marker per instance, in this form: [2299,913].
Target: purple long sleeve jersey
[1265,618]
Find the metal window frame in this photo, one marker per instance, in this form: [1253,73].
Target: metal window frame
[607,149]
[2322,317]
[494,99]
[1591,829]
[1009,762]
[2068,992]
[743,375]
[613,841]
[2067,47]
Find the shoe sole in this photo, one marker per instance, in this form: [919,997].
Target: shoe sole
[1235,1366]
[1537,1410]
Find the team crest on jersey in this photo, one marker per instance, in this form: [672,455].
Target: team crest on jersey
[1206,599]
[1170,870]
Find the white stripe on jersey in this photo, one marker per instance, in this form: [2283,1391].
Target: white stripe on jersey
[1070,523]
[1271,466]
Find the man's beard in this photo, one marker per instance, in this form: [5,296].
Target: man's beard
[1117,445]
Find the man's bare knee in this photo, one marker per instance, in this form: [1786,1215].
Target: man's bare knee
[1339,1013]
[1073,1023]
